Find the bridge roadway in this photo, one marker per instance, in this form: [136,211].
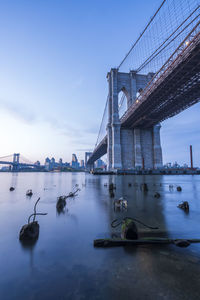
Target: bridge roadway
[18,164]
[174,88]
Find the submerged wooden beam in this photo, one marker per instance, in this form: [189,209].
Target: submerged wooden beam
[148,241]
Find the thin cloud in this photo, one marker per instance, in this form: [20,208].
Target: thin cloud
[21,113]
[84,137]
[25,115]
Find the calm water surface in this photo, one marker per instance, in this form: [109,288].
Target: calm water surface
[63,264]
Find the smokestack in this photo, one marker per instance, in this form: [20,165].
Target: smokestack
[142,163]
[191,158]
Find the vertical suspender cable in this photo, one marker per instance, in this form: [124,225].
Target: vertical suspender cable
[141,34]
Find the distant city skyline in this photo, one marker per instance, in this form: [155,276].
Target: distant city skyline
[54,61]
[50,164]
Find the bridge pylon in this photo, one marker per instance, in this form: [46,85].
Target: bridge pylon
[128,147]
[15,161]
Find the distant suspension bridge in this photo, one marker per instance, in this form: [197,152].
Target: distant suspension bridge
[17,162]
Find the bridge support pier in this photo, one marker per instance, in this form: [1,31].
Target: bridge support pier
[116,147]
[141,148]
[157,150]
[137,148]
[127,148]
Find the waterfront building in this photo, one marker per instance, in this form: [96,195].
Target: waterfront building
[6,169]
[53,163]
[37,163]
[47,164]
[66,164]
[176,165]
[99,163]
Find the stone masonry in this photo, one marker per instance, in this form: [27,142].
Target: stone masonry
[130,148]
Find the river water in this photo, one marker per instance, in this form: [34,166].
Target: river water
[63,264]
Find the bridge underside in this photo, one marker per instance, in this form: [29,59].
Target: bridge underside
[175,93]
[100,150]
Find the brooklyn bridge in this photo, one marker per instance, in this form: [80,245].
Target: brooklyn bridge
[157,79]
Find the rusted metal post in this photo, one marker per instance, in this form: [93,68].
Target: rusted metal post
[191,158]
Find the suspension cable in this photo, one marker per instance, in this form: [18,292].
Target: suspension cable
[6,156]
[26,160]
[122,100]
[152,56]
[102,121]
[141,34]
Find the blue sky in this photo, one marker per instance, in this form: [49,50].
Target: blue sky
[54,57]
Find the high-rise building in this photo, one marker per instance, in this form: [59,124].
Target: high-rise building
[53,163]
[82,163]
[47,164]
[75,163]
[99,163]
[74,158]
[60,162]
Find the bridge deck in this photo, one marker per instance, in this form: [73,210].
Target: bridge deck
[18,164]
[174,91]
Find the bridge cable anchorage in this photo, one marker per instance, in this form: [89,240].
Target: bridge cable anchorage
[141,34]
[152,56]
[102,122]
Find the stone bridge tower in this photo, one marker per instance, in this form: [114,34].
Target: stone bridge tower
[130,148]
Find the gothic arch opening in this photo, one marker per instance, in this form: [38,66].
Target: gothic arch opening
[122,102]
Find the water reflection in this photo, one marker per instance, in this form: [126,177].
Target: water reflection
[141,205]
[29,244]
[61,211]
[14,180]
[67,264]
